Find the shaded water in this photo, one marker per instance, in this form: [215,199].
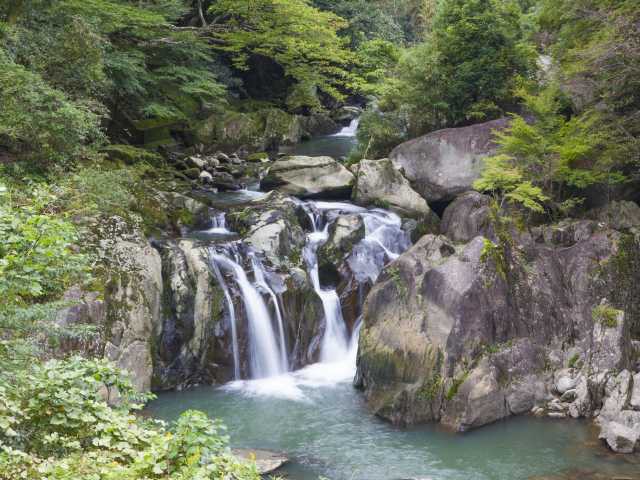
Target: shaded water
[327,431]
[336,146]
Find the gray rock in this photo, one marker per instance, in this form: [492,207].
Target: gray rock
[443,164]
[197,162]
[267,461]
[635,393]
[205,177]
[379,183]
[569,396]
[467,217]
[619,437]
[309,177]
[621,215]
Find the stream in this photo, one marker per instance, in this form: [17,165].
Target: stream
[318,418]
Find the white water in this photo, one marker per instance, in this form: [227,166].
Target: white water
[335,340]
[219,226]
[350,130]
[265,356]
[384,240]
[261,283]
[232,316]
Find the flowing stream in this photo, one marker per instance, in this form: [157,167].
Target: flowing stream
[315,415]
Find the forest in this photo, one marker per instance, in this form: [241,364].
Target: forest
[104,104]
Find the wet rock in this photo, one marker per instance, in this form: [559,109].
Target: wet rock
[379,184]
[205,177]
[267,461]
[443,164]
[467,217]
[309,177]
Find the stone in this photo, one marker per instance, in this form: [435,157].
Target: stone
[379,184]
[467,217]
[445,163]
[197,162]
[309,177]
[569,396]
[634,402]
[565,383]
[205,177]
[620,438]
[267,461]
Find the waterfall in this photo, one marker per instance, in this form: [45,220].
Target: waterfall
[335,341]
[266,360]
[232,316]
[261,283]
[219,225]
[350,130]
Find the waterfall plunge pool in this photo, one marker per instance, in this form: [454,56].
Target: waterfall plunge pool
[321,422]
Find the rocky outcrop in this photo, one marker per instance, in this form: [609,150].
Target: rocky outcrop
[378,183]
[309,177]
[467,217]
[443,164]
[471,333]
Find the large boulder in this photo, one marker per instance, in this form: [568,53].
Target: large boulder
[467,217]
[443,164]
[309,177]
[380,184]
[466,334]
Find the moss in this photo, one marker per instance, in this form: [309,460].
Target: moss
[455,386]
[574,361]
[396,278]
[606,315]
[379,203]
[431,388]
[258,157]
[129,154]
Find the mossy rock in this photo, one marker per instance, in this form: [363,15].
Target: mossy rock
[260,157]
[129,154]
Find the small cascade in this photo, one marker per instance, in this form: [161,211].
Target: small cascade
[261,283]
[232,316]
[335,339]
[350,130]
[266,360]
[384,241]
[219,225]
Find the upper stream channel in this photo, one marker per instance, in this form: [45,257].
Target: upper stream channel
[316,416]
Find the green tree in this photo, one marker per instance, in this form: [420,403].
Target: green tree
[301,39]
[466,69]
[548,160]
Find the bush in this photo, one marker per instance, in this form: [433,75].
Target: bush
[56,424]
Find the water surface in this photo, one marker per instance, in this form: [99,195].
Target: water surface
[324,427]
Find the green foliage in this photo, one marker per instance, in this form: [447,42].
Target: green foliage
[300,38]
[596,47]
[40,123]
[374,59]
[37,260]
[55,423]
[606,315]
[466,69]
[378,133]
[539,161]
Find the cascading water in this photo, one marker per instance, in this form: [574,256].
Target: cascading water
[261,283]
[384,240]
[350,130]
[232,315]
[265,360]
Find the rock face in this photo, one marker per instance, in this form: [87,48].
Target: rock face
[379,183]
[468,334]
[467,217]
[443,164]
[309,177]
